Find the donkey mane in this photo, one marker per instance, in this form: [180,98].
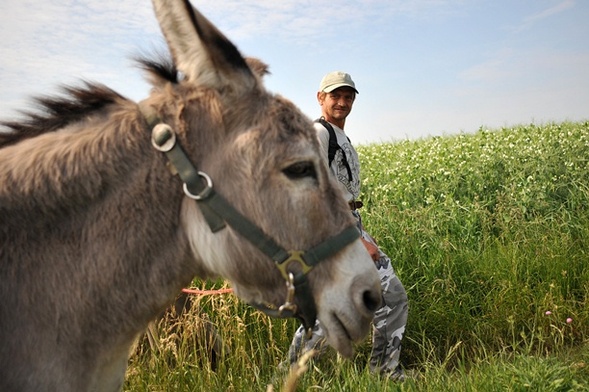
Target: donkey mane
[76,102]
[56,112]
[160,68]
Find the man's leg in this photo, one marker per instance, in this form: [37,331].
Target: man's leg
[389,322]
[300,344]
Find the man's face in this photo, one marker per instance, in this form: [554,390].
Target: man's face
[337,104]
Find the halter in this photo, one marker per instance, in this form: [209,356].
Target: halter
[294,265]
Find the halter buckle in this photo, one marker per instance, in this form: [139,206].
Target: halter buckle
[295,256]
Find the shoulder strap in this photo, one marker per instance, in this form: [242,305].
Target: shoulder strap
[334,146]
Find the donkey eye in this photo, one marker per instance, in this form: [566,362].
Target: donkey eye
[300,170]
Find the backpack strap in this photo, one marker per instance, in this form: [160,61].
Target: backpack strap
[334,146]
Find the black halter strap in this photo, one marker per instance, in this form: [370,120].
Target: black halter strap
[293,265]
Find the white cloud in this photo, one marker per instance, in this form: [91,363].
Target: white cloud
[50,43]
[291,20]
[530,20]
[510,68]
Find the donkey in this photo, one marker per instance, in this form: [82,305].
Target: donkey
[108,208]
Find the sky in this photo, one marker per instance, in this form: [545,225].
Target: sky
[422,67]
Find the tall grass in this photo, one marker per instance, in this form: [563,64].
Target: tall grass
[489,233]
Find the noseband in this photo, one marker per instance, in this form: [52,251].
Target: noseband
[294,265]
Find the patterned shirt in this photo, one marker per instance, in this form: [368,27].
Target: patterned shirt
[350,189]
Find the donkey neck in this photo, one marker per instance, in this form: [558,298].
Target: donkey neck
[74,166]
[103,187]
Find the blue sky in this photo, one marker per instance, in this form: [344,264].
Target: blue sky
[423,67]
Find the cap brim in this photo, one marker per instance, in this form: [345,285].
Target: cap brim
[336,86]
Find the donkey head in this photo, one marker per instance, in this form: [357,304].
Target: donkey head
[261,155]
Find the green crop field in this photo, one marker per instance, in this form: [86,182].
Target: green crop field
[489,233]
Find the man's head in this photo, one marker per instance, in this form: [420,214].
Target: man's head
[336,96]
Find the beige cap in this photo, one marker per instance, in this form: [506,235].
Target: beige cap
[336,79]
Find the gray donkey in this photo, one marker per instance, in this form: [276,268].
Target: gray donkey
[108,208]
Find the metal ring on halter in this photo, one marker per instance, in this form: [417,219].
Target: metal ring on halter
[206,192]
[288,304]
[163,137]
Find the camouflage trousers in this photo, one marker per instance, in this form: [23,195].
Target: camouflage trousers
[388,324]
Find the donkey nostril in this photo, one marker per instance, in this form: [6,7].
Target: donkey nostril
[372,299]
[367,294]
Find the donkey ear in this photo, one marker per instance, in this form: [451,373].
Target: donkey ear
[200,51]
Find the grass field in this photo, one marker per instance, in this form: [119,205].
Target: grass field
[489,232]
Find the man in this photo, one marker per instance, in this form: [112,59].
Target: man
[336,96]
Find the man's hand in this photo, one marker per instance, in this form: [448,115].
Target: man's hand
[372,249]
